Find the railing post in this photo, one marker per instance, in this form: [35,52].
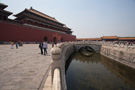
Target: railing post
[55,53]
[56,81]
[56,68]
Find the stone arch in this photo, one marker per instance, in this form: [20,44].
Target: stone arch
[54,39]
[90,49]
[45,39]
[86,48]
[61,40]
[87,55]
[1,17]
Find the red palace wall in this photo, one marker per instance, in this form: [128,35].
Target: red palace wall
[11,32]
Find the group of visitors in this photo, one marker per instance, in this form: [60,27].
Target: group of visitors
[43,46]
[19,43]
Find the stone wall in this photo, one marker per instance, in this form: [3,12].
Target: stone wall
[121,53]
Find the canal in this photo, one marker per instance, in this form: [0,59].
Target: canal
[92,71]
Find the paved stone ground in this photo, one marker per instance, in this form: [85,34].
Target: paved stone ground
[47,85]
[24,68]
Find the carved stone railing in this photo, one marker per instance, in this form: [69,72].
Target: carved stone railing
[121,52]
[60,54]
[56,81]
[124,53]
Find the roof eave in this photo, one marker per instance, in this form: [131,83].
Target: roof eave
[3,5]
[17,15]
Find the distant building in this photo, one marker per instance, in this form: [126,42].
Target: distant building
[109,38]
[31,25]
[129,39]
[89,39]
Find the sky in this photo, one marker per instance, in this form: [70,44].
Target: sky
[86,18]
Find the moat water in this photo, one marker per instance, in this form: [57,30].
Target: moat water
[92,71]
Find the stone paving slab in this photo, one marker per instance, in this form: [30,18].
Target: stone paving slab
[47,85]
[23,68]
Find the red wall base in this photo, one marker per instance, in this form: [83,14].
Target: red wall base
[12,32]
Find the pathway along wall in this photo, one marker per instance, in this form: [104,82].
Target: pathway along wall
[121,53]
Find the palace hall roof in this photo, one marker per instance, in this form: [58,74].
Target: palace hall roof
[43,15]
[33,18]
[34,15]
[89,39]
[4,12]
[67,27]
[2,6]
[109,37]
[126,38]
[40,14]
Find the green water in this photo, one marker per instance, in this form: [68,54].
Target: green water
[96,72]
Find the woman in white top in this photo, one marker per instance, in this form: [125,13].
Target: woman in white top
[45,47]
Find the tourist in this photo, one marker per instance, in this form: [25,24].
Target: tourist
[45,48]
[16,45]
[12,45]
[55,43]
[52,44]
[20,43]
[41,47]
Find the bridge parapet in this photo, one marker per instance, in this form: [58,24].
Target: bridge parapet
[109,43]
[60,54]
[89,42]
[121,52]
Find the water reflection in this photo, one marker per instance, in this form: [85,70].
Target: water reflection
[97,72]
[86,49]
[124,72]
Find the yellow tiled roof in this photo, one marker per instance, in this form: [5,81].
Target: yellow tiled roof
[43,15]
[110,37]
[89,39]
[126,38]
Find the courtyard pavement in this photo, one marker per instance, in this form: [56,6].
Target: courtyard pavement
[24,68]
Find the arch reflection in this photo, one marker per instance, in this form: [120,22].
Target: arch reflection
[94,71]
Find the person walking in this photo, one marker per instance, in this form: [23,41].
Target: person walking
[52,44]
[12,45]
[41,47]
[45,47]
[16,45]
[55,43]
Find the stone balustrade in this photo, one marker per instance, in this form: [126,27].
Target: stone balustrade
[121,52]
[60,54]
[56,81]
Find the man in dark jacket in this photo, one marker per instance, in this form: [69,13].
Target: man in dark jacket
[41,47]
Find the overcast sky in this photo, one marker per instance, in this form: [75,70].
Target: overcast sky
[86,18]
